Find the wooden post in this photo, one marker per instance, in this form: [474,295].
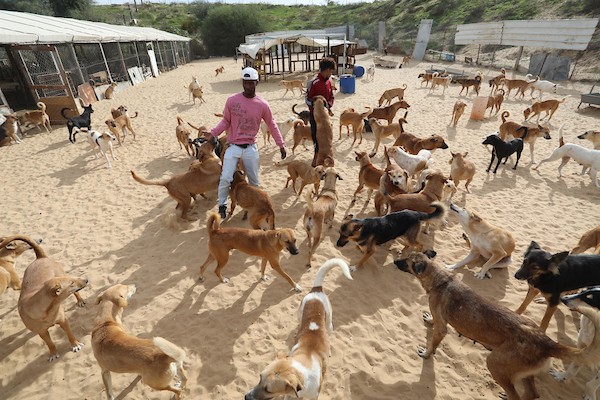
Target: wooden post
[519,54]
[74,54]
[478,51]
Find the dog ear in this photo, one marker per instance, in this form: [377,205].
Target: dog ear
[357,227]
[465,154]
[57,289]
[9,246]
[475,217]
[430,253]
[555,261]
[418,267]
[532,246]
[339,177]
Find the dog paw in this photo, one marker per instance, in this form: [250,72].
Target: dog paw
[427,317]
[558,375]
[297,288]
[201,278]
[483,275]
[422,352]
[451,267]
[53,357]
[77,347]
[81,303]
[503,396]
[539,300]
[265,278]
[352,268]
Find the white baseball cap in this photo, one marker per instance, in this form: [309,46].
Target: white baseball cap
[249,74]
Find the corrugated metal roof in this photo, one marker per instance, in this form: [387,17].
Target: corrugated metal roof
[26,28]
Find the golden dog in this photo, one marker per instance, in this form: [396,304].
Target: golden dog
[389,113]
[257,204]
[11,128]
[39,117]
[590,239]
[219,70]
[349,118]
[290,85]
[510,128]
[457,112]
[548,106]
[390,94]
[519,84]
[182,132]
[369,175]
[265,244]
[495,101]
[497,81]
[157,361]
[413,144]
[324,156]
[381,131]
[461,169]
[421,201]
[8,257]
[518,349]
[303,170]
[438,80]
[110,91]
[302,134]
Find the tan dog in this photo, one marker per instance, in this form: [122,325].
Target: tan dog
[457,112]
[413,144]
[45,287]
[157,361]
[389,113]
[194,86]
[120,126]
[509,128]
[461,169]
[349,118]
[39,117]
[498,81]
[8,257]
[592,136]
[369,175]
[256,202]
[518,349]
[219,70]
[321,212]
[110,91]
[284,128]
[290,85]
[391,94]
[381,131]
[182,187]
[466,83]
[371,73]
[303,170]
[438,80]
[421,201]
[519,84]
[121,110]
[590,239]
[300,374]
[394,181]
[302,134]
[182,132]
[425,77]
[495,101]
[11,127]
[493,244]
[265,244]
[324,156]
[405,60]
[548,106]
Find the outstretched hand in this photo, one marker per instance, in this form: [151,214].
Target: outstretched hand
[283,152]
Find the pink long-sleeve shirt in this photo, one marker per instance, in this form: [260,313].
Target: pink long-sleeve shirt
[242,117]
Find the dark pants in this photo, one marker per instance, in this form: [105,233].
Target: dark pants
[313,132]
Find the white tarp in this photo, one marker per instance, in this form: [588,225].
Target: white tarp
[27,28]
[265,42]
[569,34]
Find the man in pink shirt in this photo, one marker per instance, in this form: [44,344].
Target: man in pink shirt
[242,115]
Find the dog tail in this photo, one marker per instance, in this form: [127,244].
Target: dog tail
[213,223]
[41,106]
[39,252]
[180,121]
[62,112]
[440,211]
[149,182]
[299,122]
[329,264]
[522,127]
[135,116]
[170,349]
[564,98]
[505,114]
[294,109]
[561,141]
[589,355]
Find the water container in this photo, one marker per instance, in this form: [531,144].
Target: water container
[359,71]
[347,83]
[478,110]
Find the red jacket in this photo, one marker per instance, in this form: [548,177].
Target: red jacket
[319,86]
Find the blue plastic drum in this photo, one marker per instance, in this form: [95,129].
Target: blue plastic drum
[347,83]
[359,71]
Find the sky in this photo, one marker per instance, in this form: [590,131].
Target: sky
[285,2]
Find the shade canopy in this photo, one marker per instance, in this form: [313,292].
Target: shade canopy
[256,43]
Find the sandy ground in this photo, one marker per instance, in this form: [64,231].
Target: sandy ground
[100,223]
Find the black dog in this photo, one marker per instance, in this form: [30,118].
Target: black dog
[81,121]
[367,126]
[369,232]
[553,274]
[503,149]
[304,115]
[199,141]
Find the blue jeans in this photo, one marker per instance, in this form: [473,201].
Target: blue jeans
[233,154]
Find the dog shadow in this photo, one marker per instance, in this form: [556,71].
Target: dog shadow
[79,167]
[366,386]
[558,185]
[183,107]
[129,388]
[53,146]
[474,125]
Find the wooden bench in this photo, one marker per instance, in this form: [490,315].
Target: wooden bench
[590,98]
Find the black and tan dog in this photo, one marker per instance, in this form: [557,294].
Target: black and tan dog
[254,242]
[369,232]
[518,350]
[503,149]
[554,274]
[81,121]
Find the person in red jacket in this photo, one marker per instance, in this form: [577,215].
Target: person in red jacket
[320,85]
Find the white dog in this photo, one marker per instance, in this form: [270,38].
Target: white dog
[587,158]
[371,72]
[101,142]
[540,86]
[284,127]
[411,163]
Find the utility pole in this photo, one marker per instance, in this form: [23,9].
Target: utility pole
[135,3]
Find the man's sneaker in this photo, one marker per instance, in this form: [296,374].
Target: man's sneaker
[223,211]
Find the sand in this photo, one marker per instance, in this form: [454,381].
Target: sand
[100,223]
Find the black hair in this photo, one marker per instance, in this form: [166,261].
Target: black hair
[326,63]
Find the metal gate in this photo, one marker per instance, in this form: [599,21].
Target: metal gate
[46,78]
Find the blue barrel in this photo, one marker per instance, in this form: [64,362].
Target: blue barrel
[359,71]
[347,83]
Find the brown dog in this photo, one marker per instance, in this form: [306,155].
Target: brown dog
[195,90]
[405,60]
[121,110]
[369,175]
[302,134]
[254,242]
[8,257]
[548,106]
[303,170]
[390,94]
[381,131]
[527,133]
[394,181]
[349,118]
[157,361]
[121,125]
[256,202]
[466,83]
[389,113]
[457,112]
[321,212]
[518,349]
[590,239]
[219,70]
[182,132]
[519,84]
[11,127]
[592,136]
[290,85]
[45,287]
[495,101]
[438,80]
[110,91]
[497,81]
[461,169]
[421,201]
[204,177]
[324,156]
[413,144]
[39,117]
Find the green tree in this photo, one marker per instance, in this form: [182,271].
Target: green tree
[65,8]
[242,20]
[31,6]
